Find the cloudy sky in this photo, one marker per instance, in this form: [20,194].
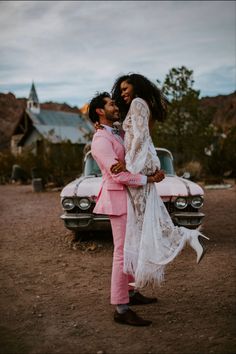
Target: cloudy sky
[71,49]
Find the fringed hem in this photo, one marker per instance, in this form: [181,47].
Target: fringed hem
[130,262]
[153,275]
[145,273]
[150,273]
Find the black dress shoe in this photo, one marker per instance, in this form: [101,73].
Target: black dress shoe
[139,299]
[130,318]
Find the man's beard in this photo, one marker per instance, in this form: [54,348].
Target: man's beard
[112,118]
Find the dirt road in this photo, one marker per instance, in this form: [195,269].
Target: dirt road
[54,296]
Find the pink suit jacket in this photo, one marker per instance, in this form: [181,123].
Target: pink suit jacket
[112,197]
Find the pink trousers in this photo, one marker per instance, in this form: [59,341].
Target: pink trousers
[119,280]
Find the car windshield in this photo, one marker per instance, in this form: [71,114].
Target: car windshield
[166,162]
[91,167]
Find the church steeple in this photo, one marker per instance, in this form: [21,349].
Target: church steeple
[33,101]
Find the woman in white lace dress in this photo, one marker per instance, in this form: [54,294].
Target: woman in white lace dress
[152,241]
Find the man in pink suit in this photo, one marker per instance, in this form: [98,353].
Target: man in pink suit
[107,147]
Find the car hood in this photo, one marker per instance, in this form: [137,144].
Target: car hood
[82,187]
[171,186]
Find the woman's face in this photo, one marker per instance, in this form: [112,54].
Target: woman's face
[127,92]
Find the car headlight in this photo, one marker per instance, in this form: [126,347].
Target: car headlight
[197,202]
[84,203]
[181,203]
[68,203]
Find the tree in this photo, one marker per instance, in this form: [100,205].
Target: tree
[221,159]
[187,129]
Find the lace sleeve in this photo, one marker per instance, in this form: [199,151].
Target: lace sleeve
[137,136]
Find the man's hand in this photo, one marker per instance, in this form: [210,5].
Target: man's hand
[158,176]
[118,167]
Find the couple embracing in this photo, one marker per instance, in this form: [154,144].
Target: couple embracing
[144,236]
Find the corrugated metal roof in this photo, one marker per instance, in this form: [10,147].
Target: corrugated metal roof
[58,126]
[55,118]
[57,134]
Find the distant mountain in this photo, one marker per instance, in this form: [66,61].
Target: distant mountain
[10,111]
[223,108]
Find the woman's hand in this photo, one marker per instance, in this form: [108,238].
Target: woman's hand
[118,167]
[97,126]
[158,176]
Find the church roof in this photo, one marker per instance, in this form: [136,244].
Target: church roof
[56,134]
[58,118]
[33,94]
[58,126]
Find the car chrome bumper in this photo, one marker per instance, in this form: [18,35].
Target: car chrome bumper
[92,222]
[86,222]
[189,220]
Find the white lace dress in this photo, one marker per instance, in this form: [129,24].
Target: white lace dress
[152,241]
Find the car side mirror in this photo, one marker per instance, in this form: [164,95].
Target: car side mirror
[186,175]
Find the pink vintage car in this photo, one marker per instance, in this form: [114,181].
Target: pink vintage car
[182,197]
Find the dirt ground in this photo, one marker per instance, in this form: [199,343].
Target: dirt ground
[54,294]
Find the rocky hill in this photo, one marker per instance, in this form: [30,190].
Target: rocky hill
[223,109]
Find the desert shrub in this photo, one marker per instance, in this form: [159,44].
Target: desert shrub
[195,170]
[222,160]
[7,160]
[56,163]
[193,167]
